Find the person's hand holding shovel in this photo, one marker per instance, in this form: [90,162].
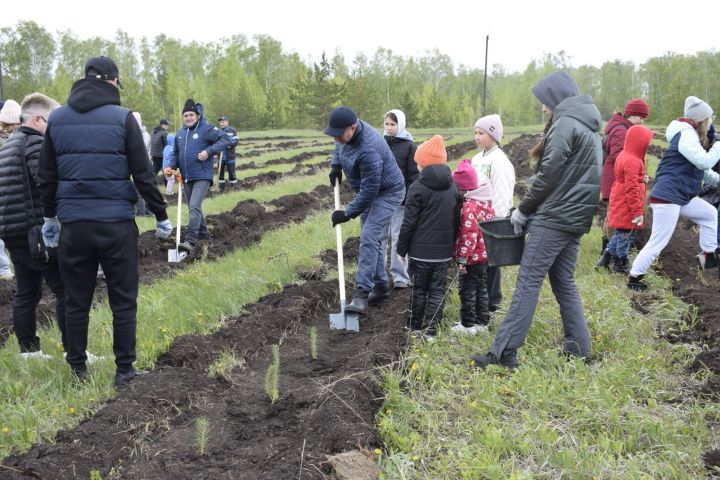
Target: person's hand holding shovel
[637,220]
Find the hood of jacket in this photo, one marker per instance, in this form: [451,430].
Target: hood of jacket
[157,129]
[676,127]
[615,120]
[483,193]
[580,108]
[555,88]
[436,177]
[637,141]
[401,133]
[171,139]
[90,93]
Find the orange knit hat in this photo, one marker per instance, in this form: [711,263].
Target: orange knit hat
[431,152]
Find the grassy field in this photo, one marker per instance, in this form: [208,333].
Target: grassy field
[630,414]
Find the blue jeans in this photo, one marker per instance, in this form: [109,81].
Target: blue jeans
[375,222]
[197,228]
[621,242]
[398,269]
[552,253]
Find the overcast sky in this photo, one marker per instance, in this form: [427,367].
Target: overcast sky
[591,32]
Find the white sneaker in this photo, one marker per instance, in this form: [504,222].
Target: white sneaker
[90,357]
[39,355]
[460,328]
[475,329]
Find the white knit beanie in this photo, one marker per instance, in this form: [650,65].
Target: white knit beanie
[10,113]
[492,125]
[696,109]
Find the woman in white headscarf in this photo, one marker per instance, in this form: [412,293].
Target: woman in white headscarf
[403,147]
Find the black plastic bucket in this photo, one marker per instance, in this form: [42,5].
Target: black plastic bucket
[503,245]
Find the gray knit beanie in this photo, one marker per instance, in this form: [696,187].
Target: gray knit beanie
[696,109]
[555,88]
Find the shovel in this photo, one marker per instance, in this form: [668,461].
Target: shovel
[176,255]
[343,320]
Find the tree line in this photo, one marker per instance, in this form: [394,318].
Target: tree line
[260,86]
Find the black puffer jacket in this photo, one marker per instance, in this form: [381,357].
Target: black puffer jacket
[432,216]
[566,189]
[158,140]
[16,216]
[404,151]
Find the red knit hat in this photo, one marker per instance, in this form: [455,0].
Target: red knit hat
[431,152]
[465,176]
[636,107]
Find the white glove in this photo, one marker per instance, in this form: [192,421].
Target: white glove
[51,232]
[163,229]
[518,220]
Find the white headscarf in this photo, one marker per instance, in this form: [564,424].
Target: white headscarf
[401,133]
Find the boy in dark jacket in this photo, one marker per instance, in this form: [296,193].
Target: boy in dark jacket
[427,234]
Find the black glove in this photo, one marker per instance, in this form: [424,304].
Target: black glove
[335,173]
[338,216]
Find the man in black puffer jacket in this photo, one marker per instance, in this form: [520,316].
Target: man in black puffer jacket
[158,141]
[427,235]
[21,209]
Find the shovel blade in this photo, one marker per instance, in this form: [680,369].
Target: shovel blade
[176,255]
[345,321]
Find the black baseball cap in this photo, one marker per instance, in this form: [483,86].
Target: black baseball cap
[224,117]
[104,67]
[339,120]
[164,121]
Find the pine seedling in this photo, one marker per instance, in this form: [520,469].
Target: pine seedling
[272,376]
[313,343]
[202,425]
[95,475]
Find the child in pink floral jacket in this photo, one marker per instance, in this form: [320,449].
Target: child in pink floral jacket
[470,249]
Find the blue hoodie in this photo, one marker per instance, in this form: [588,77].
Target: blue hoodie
[167,151]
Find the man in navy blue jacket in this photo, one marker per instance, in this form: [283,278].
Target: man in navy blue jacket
[371,169]
[92,148]
[195,142]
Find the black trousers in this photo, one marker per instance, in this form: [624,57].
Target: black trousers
[428,294]
[232,176]
[158,166]
[494,284]
[474,302]
[29,276]
[114,246]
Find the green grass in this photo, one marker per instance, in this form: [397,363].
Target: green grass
[38,398]
[630,414]
[226,202]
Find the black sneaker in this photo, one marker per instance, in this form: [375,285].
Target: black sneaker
[81,375]
[508,361]
[636,283]
[123,378]
[189,247]
[707,260]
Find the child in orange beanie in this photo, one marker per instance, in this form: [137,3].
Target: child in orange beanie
[432,213]
[470,249]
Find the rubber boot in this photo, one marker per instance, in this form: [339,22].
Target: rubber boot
[605,242]
[636,283]
[221,186]
[379,294]
[620,265]
[359,303]
[604,261]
